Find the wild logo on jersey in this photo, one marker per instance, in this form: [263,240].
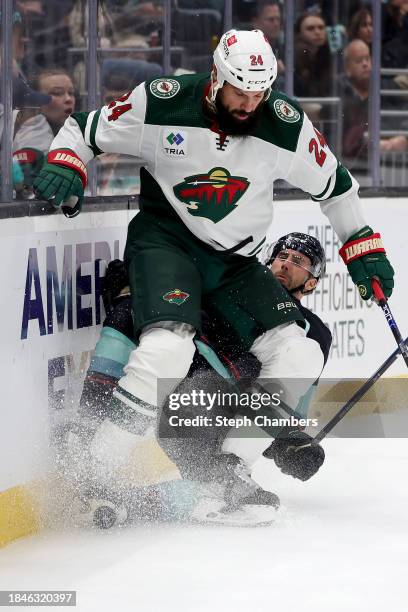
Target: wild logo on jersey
[213,195]
[176,296]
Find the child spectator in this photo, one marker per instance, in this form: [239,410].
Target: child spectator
[58,84]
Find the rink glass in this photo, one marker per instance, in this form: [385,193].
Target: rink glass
[109,46]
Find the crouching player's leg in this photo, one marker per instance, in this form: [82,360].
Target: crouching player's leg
[290,363]
[223,455]
[192,434]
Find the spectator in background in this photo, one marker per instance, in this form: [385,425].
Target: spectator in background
[78,29]
[355,91]
[136,42]
[394,20]
[395,51]
[361,27]
[268,18]
[49,34]
[18,39]
[395,144]
[32,135]
[142,17]
[78,24]
[355,95]
[58,84]
[313,60]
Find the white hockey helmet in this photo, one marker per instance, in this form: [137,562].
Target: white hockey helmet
[244,58]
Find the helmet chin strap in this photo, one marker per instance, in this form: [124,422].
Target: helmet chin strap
[212,94]
[300,288]
[216,86]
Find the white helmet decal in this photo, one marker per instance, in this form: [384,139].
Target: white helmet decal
[244,58]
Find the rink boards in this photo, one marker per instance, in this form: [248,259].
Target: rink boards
[52,311]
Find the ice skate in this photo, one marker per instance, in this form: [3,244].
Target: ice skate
[239,503]
[216,512]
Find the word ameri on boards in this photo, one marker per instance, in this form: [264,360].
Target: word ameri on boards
[63,286]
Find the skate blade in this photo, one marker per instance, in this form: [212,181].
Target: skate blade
[214,512]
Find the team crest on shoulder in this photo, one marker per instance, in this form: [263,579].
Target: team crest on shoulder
[164,88]
[286,111]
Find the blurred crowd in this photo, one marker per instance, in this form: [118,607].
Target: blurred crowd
[332,68]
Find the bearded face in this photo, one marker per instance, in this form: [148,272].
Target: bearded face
[238,112]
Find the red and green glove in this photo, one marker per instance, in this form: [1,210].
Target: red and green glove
[365,258]
[62,180]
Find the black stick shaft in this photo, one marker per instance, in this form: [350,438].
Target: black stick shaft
[382,302]
[401,350]
[357,396]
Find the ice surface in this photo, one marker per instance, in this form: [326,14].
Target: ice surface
[340,543]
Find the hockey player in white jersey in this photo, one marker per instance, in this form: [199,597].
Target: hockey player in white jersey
[212,146]
[298,261]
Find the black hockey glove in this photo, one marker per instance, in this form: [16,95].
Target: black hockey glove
[295,455]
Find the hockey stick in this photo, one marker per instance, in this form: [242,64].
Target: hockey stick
[401,350]
[357,395]
[383,304]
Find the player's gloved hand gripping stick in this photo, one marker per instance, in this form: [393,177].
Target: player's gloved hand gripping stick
[366,259]
[62,181]
[296,453]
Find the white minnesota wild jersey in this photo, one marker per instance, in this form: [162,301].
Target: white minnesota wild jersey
[220,186]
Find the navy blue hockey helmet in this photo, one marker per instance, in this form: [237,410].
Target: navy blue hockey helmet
[303,243]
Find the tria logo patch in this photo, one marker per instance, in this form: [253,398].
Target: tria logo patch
[175,138]
[176,296]
[286,111]
[175,143]
[213,195]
